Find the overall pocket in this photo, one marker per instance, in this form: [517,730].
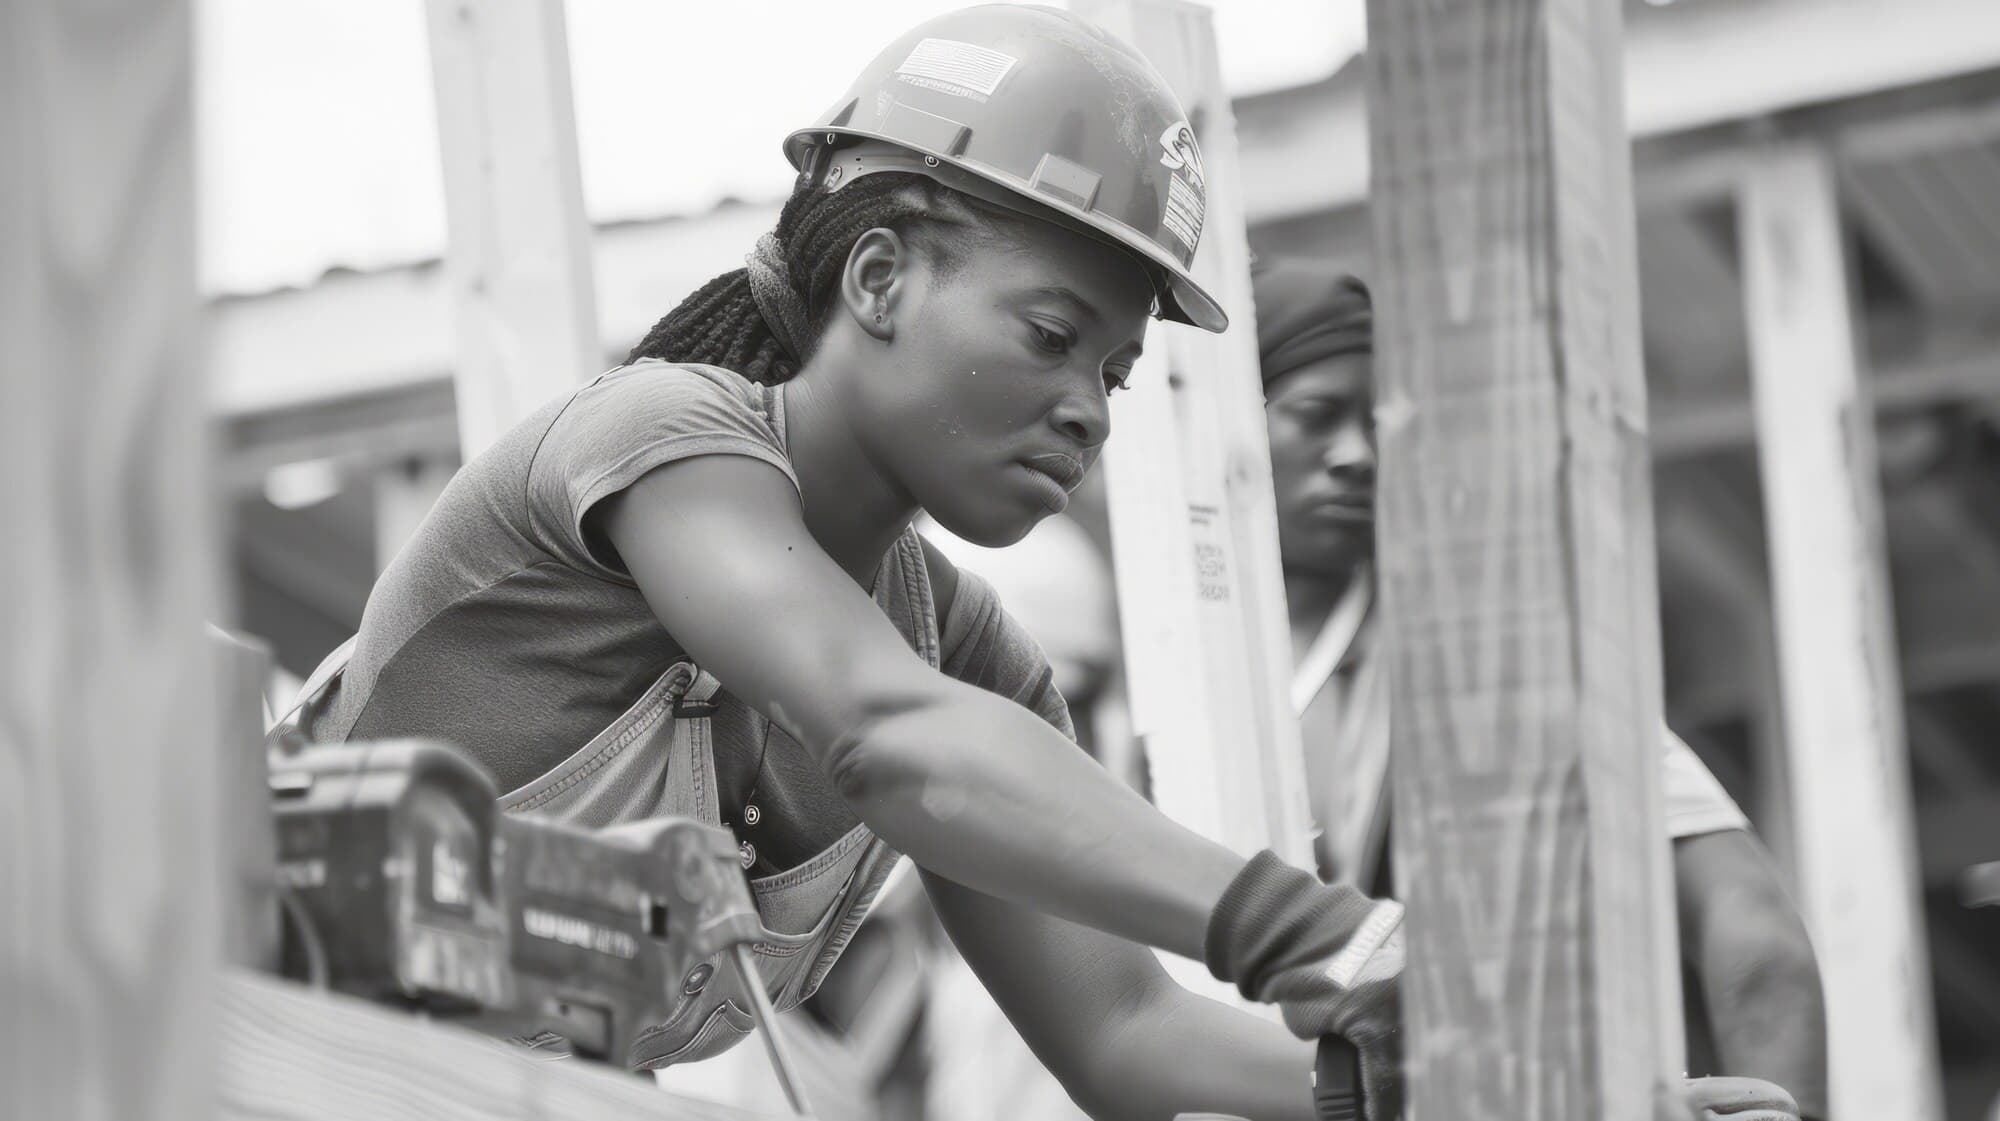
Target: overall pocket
[716,1016]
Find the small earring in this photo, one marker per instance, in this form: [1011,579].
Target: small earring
[881,318]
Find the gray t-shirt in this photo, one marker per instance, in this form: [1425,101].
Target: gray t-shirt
[501,629]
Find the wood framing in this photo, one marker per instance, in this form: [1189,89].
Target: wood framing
[110,877]
[1195,529]
[523,307]
[1853,845]
[1516,552]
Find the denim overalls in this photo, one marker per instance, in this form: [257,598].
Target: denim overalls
[658,759]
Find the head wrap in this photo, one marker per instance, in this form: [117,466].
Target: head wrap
[777,301]
[1306,311]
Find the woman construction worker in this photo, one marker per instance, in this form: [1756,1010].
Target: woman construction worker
[691,587]
[1739,931]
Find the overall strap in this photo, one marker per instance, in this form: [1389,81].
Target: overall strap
[1360,829]
[691,780]
[1336,637]
[314,690]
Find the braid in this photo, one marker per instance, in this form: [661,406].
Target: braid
[720,324]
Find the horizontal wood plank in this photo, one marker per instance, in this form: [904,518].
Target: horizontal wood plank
[293,1053]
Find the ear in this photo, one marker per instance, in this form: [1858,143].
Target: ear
[878,270]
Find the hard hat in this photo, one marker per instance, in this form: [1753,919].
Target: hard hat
[1038,111]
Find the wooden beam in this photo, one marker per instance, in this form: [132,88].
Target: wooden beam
[1945,650]
[1929,117]
[111,893]
[304,1056]
[1194,524]
[1967,372]
[370,400]
[524,311]
[1517,558]
[1729,44]
[378,333]
[1842,699]
[359,433]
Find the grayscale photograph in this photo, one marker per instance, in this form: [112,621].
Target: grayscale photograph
[1117,560]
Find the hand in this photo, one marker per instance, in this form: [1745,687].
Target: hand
[1726,1099]
[1330,957]
[1357,996]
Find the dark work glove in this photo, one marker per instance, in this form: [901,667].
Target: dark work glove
[1330,957]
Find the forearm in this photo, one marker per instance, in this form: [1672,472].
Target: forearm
[979,790]
[1748,947]
[1766,1011]
[1183,1053]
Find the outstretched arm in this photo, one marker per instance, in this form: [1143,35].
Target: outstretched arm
[969,784]
[1748,947]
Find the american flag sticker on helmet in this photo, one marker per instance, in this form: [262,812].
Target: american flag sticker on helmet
[948,65]
[1186,208]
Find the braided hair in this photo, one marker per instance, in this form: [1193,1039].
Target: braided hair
[721,325]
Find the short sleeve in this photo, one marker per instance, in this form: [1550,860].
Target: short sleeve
[986,647]
[628,422]
[1695,802]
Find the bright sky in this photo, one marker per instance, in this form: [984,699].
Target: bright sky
[319,138]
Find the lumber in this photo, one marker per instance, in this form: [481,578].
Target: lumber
[1517,568]
[1194,525]
[111,892]
[518,261]
[291,1052]
[1853,843]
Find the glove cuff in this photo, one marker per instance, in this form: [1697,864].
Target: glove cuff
[1274,916]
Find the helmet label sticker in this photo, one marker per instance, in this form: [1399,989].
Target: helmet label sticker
[1184,212]
[1187,189]
[1181,153]
[960,69]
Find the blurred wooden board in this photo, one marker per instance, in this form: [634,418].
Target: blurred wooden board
[523,302]
[301,1055]
[111,893]
[1205,637]
[1195,529]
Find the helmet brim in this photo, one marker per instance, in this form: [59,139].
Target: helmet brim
[1181,298]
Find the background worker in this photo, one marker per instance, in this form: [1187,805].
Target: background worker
[924,330]
[1739,931]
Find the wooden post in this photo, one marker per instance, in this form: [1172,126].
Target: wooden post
[1516,549]
[111,893]
[1854,845]
[525,316]
[1194,526]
